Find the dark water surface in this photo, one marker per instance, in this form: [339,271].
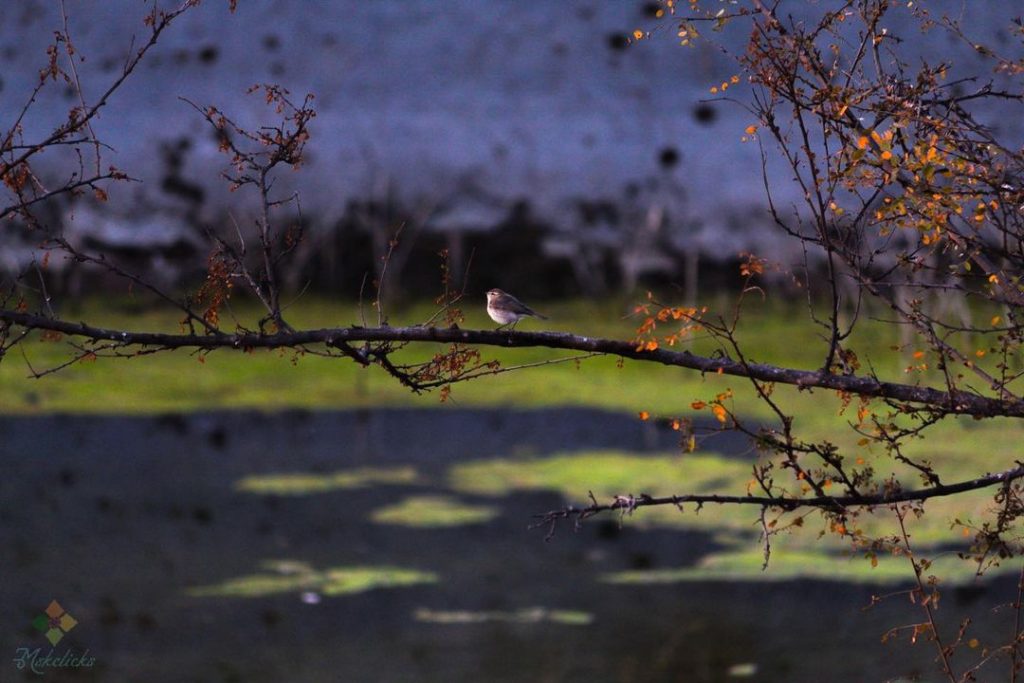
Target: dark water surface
[117,518]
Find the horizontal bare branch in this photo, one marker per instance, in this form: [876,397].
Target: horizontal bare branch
[960,402]
[628,503]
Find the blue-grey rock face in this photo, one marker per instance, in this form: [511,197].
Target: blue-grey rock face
[520,100]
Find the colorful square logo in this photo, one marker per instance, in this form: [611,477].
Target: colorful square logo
[54,622]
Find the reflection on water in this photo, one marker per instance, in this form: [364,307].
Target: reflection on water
[404,554]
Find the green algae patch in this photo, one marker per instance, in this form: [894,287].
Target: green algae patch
[290,576]
[792,564]
[529,615]
[433,511]
[306,483]
[608,472]
[612,473]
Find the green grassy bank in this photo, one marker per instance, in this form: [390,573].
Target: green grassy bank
[180,381]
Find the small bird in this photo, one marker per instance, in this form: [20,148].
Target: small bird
[505,309]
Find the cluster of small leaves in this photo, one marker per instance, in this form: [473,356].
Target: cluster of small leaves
[682,322]
[216,289]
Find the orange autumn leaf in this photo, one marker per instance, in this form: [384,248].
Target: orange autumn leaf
[698,405]
[719,412]
[644,415]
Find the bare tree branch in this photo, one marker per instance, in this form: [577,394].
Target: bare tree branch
[962,402]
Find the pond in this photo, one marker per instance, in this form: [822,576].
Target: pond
[394,545]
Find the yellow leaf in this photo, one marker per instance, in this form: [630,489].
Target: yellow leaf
[996,320]
[886,155]
[993,278]
[638,34]
[644,415]
[973,643]
[719,412]
[980,353]
[751,129]
[862,142]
